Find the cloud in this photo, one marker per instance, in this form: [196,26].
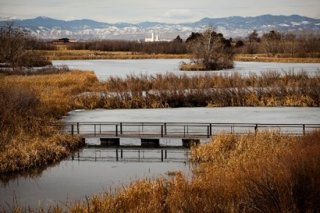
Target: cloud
[178,14]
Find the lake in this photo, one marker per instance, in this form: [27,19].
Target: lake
[96,170]
[276,115]
[121,68]
[88,172]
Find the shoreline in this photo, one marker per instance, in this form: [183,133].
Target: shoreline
[95,55]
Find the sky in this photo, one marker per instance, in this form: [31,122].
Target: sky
[170,11]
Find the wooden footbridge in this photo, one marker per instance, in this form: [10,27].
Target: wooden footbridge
[177,129]
[151,134]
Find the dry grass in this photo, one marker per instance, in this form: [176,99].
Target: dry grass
[64,54]
[192,67]
[268,89]
[28,105]
[267,172]
[278,58]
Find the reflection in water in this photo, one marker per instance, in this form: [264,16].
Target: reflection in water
[92,171]
[170,155]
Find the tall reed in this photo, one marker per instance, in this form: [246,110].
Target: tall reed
[169,90]
[28,106]
[267,172]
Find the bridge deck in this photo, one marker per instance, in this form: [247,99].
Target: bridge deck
[177,130]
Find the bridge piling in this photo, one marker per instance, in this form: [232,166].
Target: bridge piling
[72,130]
[256,129]
[78,128]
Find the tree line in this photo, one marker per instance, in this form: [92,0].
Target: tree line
[209,49]
[19,49]
[176,46]
[271,43]
[286,44]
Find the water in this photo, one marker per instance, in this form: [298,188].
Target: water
[293,120]
[121,68]
[98,170]
[269,115]
[89,172]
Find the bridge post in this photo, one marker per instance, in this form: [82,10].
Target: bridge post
[78,128]
[210,126]
[121,129]
[165,154]
[117,155]
[304,129]
[165,128]
[72,130]
[95,129]
[256,129]
[116,129]
[161,155]
[208,131]
[162,131]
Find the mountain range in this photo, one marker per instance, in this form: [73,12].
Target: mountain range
[235,26]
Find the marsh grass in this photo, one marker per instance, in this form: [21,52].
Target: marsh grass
[28,107]
[65,54]
[267,172]
[191,67]
[279,58]
[264,172]
[29,103]
[169,90]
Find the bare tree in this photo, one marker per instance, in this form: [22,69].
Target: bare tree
[273,42]
[212,51]
[17,48]
[13,45]
[253,43]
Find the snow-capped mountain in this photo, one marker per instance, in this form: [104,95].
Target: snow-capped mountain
[235,26]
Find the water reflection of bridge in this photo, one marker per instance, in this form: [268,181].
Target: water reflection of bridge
[131,154]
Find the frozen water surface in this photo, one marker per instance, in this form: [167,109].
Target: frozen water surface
[269,115]
[121,68]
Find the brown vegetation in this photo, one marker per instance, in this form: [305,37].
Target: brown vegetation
[96,54]
[278,58]
[264,172]
[17,49]
[28,105]
[174,47]
[287,45]
[269,47]
[210,51]
[268,89]
[267,172]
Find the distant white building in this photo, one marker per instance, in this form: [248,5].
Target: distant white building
[152,39]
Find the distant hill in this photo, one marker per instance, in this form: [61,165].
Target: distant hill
[235,26]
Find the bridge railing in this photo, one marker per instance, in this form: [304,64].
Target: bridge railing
[178,129]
